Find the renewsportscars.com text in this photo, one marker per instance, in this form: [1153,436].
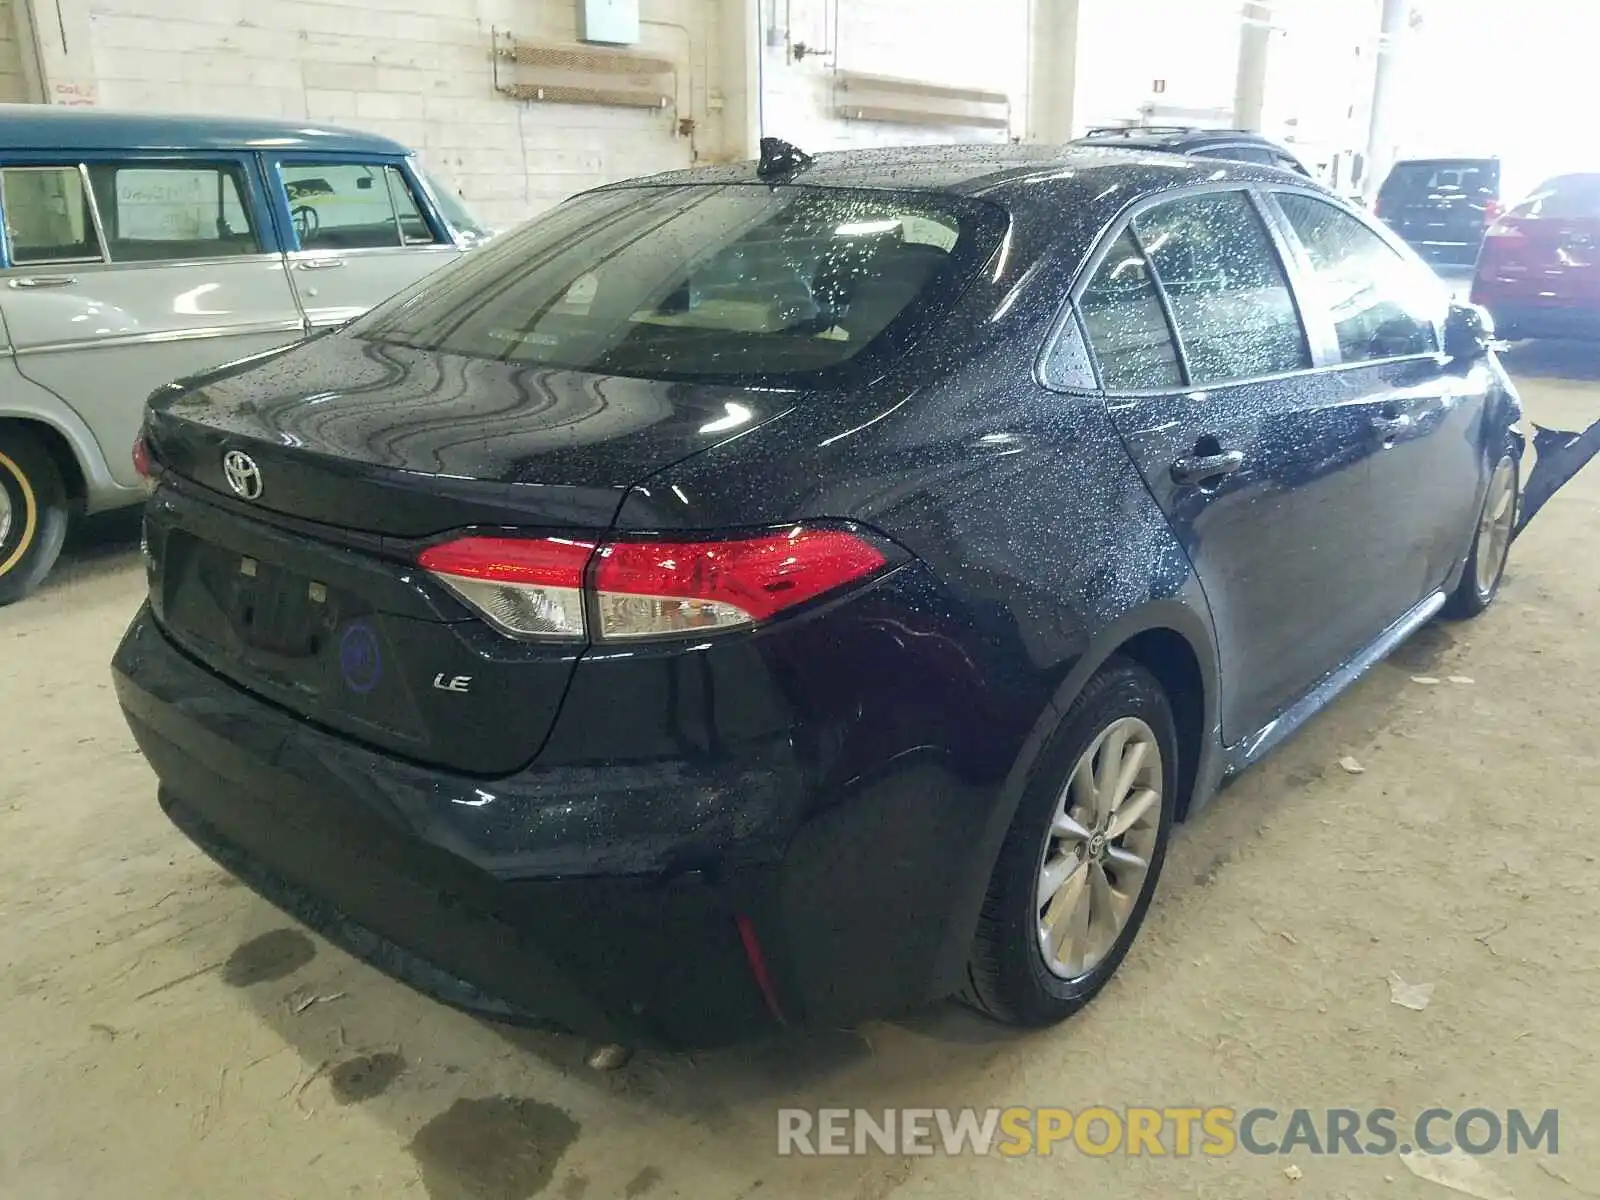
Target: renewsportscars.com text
[1168,1131]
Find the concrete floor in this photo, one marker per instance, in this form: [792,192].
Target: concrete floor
[168,1034]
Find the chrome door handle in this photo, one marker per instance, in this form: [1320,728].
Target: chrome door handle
[1201,469]
[1390,427]
[318,264]
[44,281]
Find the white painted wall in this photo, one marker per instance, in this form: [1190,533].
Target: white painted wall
[945,42]
[13,83]
[419,71]
[1125,46]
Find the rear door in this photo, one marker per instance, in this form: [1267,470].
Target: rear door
[1546,251]
[359,229]
[1423,414]
[1210,377]
[126,273]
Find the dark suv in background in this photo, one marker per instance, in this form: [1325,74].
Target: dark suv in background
[1442,206]
[1235,145]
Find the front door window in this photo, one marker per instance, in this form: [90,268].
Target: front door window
[353,206]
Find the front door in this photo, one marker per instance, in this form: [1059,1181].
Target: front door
[125,274]
[1428,470]
[1210,379]
[362,231]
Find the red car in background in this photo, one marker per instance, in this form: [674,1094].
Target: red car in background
[1539,270]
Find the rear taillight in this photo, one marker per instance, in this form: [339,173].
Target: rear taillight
[646,589]
[144,466]
[545,587]
[526,587]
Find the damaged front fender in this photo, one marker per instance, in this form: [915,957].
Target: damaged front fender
[1559,455]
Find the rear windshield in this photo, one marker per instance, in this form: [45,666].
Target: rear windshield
[1444,177]
[1564,197]
[701,282]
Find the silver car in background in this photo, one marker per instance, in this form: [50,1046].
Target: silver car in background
[140,248]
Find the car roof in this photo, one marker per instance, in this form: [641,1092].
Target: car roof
[999,172]
[54,127]
[1174,137]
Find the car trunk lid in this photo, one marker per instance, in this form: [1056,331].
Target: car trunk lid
[301,585]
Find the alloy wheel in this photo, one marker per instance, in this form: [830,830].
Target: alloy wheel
[1098,852]
[1495,525]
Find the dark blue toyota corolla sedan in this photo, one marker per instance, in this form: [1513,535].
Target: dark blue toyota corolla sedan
[793,592]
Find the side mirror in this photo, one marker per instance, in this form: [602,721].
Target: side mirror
[1468,332]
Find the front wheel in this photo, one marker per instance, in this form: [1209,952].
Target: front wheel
[1491,544]
[1080,861]
[33,514]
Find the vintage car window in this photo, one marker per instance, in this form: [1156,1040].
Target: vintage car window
[1229,295]
[1122,315]
[154,212]
[454,210]
[48,219]
[1382,306]
[353,206]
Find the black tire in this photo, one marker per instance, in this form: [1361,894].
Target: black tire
[1007,977]
[37,506]
[1477,589]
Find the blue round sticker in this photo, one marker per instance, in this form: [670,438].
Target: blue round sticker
[359,660]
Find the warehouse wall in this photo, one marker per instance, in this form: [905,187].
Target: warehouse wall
[417,70]
[928,41]
[1126,46]
[13,82]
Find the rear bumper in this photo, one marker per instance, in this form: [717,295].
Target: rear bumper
[488,894]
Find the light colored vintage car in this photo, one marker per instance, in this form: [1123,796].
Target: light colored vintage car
[140,248]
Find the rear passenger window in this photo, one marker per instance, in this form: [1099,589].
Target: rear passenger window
[1565,197]
[1229,296]
[48,219]
[159,212]
[1127,328]
[353,206]
[1382,306]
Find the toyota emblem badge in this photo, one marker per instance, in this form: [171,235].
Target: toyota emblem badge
[243,476]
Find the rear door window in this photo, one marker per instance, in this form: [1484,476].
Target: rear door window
[165,211]
[1419,182]
[1382,305]
[701,281]
[1126,324]
[1215,261]
[352,206]
[1566,197]
[48,216]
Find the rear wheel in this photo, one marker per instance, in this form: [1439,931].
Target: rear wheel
[33,514]
[1491,544]
[1080,861]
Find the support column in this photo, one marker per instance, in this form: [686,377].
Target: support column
[1052,71]
[1381,138]
[1255,45]
[57,57]
[738,83]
